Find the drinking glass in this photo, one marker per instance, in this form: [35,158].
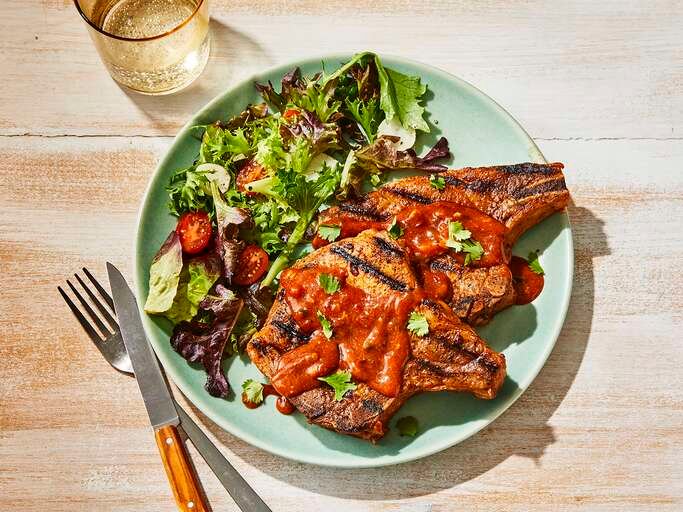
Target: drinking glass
[150,46]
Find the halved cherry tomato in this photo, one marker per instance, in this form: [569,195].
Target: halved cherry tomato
[290,112]
[194,230]
[251,171]
[251,265]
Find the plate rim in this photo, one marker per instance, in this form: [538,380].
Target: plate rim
[198,399]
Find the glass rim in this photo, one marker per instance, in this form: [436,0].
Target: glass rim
[133,39]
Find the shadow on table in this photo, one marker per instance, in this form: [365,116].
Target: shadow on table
[234,57]
[523,430]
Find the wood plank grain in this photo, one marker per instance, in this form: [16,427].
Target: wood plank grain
[578,69]
[597,430]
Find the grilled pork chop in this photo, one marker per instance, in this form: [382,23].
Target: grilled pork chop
[518,196]
[377,291]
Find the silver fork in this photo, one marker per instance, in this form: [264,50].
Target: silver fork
[110,344]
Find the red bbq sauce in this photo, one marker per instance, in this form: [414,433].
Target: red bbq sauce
[369,338]
[436,284]
[283,405]
[528,285]
[425,231]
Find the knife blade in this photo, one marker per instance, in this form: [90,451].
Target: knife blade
[152,385]
[157,397]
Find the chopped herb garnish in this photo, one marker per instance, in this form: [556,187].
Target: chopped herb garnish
[329,283]
[407,426]
[456,234]
[395,231]
[253,390]
[460,240]
[341,383]
[325,324]
[534,264]
[329,233]
[375,179]
[437,182]
[473,249]
[417,324]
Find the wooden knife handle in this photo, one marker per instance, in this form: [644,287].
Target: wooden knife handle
[180,473]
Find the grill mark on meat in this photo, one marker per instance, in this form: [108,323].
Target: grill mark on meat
[388,248]
[352,428]
[431,367]
[528,168]
[447,372]
[314,410]
[464,306]
[290,331]
[451,343]
[406,194]
[457,344]
[261,348]
[477,185]
[372,406]
[452,180]
[542,188]
[443,266]
[366,267]
[362,210]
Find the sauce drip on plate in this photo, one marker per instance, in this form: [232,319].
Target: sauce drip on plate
[528,285]
[283,405]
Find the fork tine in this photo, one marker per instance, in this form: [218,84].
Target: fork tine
[89,310]
[107,316]
[81,319]
[100,289]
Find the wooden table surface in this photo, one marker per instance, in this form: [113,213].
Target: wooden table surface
[599,85]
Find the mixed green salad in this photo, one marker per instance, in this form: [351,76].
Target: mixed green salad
[247,206]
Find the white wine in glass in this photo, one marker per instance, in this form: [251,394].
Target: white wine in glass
[151,46]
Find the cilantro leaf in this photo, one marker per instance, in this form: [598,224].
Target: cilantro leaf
[457,232]
[534,264]
[437,182]
[417,324]
[456,235]
[400,96]
[325,324]
[473,250]
[395,231]
[253,390]
[329,233]
[460,240]
[341,383]
[407,426]
[329,283]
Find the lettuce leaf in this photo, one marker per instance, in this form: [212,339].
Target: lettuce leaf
[221,146]
[196,279]
[228,222]
[400,96]
[164,275]
[204,342]
[383,155]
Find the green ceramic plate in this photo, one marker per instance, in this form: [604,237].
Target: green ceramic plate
[480,133]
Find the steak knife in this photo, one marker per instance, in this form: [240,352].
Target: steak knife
[157,397]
